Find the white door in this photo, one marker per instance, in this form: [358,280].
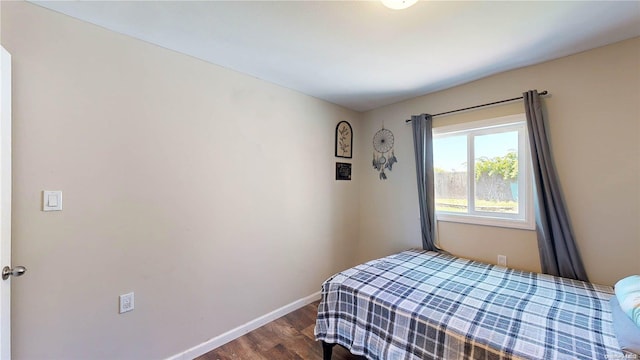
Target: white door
[5,206]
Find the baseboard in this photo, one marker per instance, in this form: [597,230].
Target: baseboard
[230,335]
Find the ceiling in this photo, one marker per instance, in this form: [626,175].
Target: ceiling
[359,54]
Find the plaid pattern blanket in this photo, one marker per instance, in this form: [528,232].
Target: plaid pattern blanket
[427,305]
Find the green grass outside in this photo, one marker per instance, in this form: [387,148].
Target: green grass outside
[461,205]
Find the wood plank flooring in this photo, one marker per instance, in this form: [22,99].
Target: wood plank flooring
[287,338]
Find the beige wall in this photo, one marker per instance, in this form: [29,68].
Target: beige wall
[594,124]
[209,193]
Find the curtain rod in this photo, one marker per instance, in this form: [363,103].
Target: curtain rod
[545,92]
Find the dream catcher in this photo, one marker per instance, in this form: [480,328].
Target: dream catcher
[383,146]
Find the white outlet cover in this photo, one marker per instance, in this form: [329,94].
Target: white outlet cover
[127,302]
[502,260]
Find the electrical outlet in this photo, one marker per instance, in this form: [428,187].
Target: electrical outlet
[126,302]
[502,260]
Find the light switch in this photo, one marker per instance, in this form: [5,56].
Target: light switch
[51,200]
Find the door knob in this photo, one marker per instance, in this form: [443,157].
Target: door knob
[17,271]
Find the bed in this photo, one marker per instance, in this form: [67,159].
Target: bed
[426,305]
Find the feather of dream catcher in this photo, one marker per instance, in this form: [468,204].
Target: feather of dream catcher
[383,145]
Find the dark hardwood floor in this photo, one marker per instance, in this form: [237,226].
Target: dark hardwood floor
[287,338]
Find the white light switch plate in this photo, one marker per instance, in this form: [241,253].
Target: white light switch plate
[51,200]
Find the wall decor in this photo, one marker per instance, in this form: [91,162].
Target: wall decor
[344,139]
[383,145]
[343,171]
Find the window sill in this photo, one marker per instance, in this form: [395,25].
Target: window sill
[486,221]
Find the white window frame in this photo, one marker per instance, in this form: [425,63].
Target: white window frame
[525,217]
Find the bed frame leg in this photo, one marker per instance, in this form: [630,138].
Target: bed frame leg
[327,350]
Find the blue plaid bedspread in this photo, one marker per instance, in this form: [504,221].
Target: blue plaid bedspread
[426,305]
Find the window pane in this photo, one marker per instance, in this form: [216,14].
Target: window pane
[450,170]
[496,172]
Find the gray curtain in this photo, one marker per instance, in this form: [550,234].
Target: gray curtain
[558,252]
[423,147]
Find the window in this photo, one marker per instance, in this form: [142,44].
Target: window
[482,173]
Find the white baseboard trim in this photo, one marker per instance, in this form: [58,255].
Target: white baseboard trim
[233,334]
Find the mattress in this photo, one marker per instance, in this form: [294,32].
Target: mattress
[426,305]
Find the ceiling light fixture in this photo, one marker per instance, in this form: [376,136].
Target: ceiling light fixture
[398,4]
